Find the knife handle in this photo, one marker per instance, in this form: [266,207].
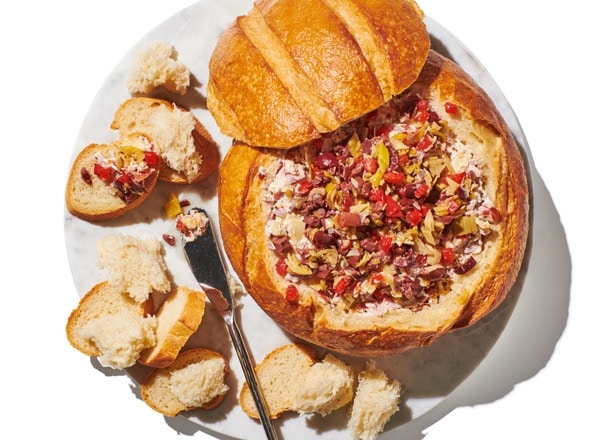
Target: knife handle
[248,369]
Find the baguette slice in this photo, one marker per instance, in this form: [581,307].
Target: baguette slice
[278,374]
[187,151]
[197,375]
[100,301]
[328,386]
[178,317]
[476,127]
[89,197]
[288,70]
[294,380]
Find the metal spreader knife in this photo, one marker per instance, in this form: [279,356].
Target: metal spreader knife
[205,260]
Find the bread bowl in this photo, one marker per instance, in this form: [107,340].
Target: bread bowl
[395,264]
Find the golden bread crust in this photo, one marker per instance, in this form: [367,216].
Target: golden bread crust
[288,71]
[477,293]
[178,317]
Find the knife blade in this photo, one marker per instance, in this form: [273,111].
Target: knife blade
[206,262]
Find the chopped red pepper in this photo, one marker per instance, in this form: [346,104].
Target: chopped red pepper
[304,187]
[447,256]
[377,279]
[385,244]
[458,177]
[376,195]
[422,105]
[383,131]
[425,143]
[421,191]
[291,293]
[103,173]
[124,178]
[151,158]
[281,267]
[392,208]
[414,217]
[370,163]
[394,177]
[341,285]
[451,108]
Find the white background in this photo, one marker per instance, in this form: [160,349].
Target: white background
[56,55]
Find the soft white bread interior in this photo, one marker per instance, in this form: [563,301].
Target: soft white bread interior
[156,65]
[108,324]
[278,375]
[91,198]
[327,386]
[293,379]
[178,317]
[188,153]
[376,400]
[288,70]
[135,265]
[196,379]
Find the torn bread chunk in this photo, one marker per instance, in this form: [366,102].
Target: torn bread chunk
[120,337]
[156,65]
[135,265]
[375,401]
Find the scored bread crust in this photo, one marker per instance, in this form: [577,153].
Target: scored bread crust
[134,115]
[242,215]
[155,389]
[94,202]
[289,70]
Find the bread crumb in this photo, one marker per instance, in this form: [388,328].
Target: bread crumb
[327,386]
[120,337]
[375,401]
[156,65]
[199,383]
[135,265]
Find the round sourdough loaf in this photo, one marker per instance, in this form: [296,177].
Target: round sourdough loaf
[433,245]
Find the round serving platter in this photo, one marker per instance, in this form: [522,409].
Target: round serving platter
[428,375]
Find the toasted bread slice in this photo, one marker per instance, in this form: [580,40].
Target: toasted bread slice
[278,374]
[188,153]
[178,317]
[100,305]
[108,180]
[196,379]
